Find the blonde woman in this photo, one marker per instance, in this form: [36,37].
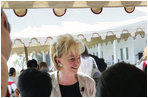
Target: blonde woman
[66,81]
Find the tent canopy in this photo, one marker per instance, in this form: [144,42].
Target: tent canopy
[109,24]
[69,4]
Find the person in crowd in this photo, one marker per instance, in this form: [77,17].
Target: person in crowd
[143,63]
[12,81]
[67,82]
[32,64]
[11,87]
[34,83]
[6,45]
[12,74]
[88,64]
[122,80]
[43,66]
[100,63]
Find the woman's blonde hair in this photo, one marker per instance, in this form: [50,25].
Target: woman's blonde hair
[63,45]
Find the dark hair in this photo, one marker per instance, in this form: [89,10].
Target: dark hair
[42,64]
[122,80]
[34,83]
[12,71]
[32,64]
[100,63]
[85,53]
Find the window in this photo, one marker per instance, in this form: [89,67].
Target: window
[124,53]
[97,54]
[121,53]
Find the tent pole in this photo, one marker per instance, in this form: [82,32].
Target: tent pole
[26,54]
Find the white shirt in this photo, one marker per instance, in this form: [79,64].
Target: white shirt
[86,65]
[11,86]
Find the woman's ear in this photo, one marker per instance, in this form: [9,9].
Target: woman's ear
[58,60]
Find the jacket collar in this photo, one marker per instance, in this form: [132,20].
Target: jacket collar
[55,83]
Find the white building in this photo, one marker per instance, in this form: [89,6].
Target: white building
[125,50]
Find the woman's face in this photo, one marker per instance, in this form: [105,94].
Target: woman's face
[70,63]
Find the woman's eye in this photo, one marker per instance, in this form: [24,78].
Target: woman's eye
[72,59]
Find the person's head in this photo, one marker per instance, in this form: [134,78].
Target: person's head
[122,80]
[32,64]
[43,66]
[6,43]
[65,53]
[145,53]
[85,53]
[34,83]
[12,72]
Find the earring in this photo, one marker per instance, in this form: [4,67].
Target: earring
[60,65]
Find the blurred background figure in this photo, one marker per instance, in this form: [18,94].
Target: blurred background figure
[122,80]
[12,74]
[32,64]
[11,87]
[43,66]
[143,61]
[6,46]
[100,63]
[12,82]
[88,66]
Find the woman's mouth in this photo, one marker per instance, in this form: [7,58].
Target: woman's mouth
[75,68]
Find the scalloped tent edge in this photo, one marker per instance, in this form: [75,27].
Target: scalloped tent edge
[60,7]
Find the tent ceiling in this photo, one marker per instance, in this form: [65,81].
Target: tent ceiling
[59,7]
[69,4]
[90,38]
[114,33]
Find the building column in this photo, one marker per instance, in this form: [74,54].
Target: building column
[99,50]
[115,51]
[44,57]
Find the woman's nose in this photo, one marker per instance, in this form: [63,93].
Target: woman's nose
[78,61]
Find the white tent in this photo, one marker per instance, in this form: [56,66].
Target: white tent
[103,27]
